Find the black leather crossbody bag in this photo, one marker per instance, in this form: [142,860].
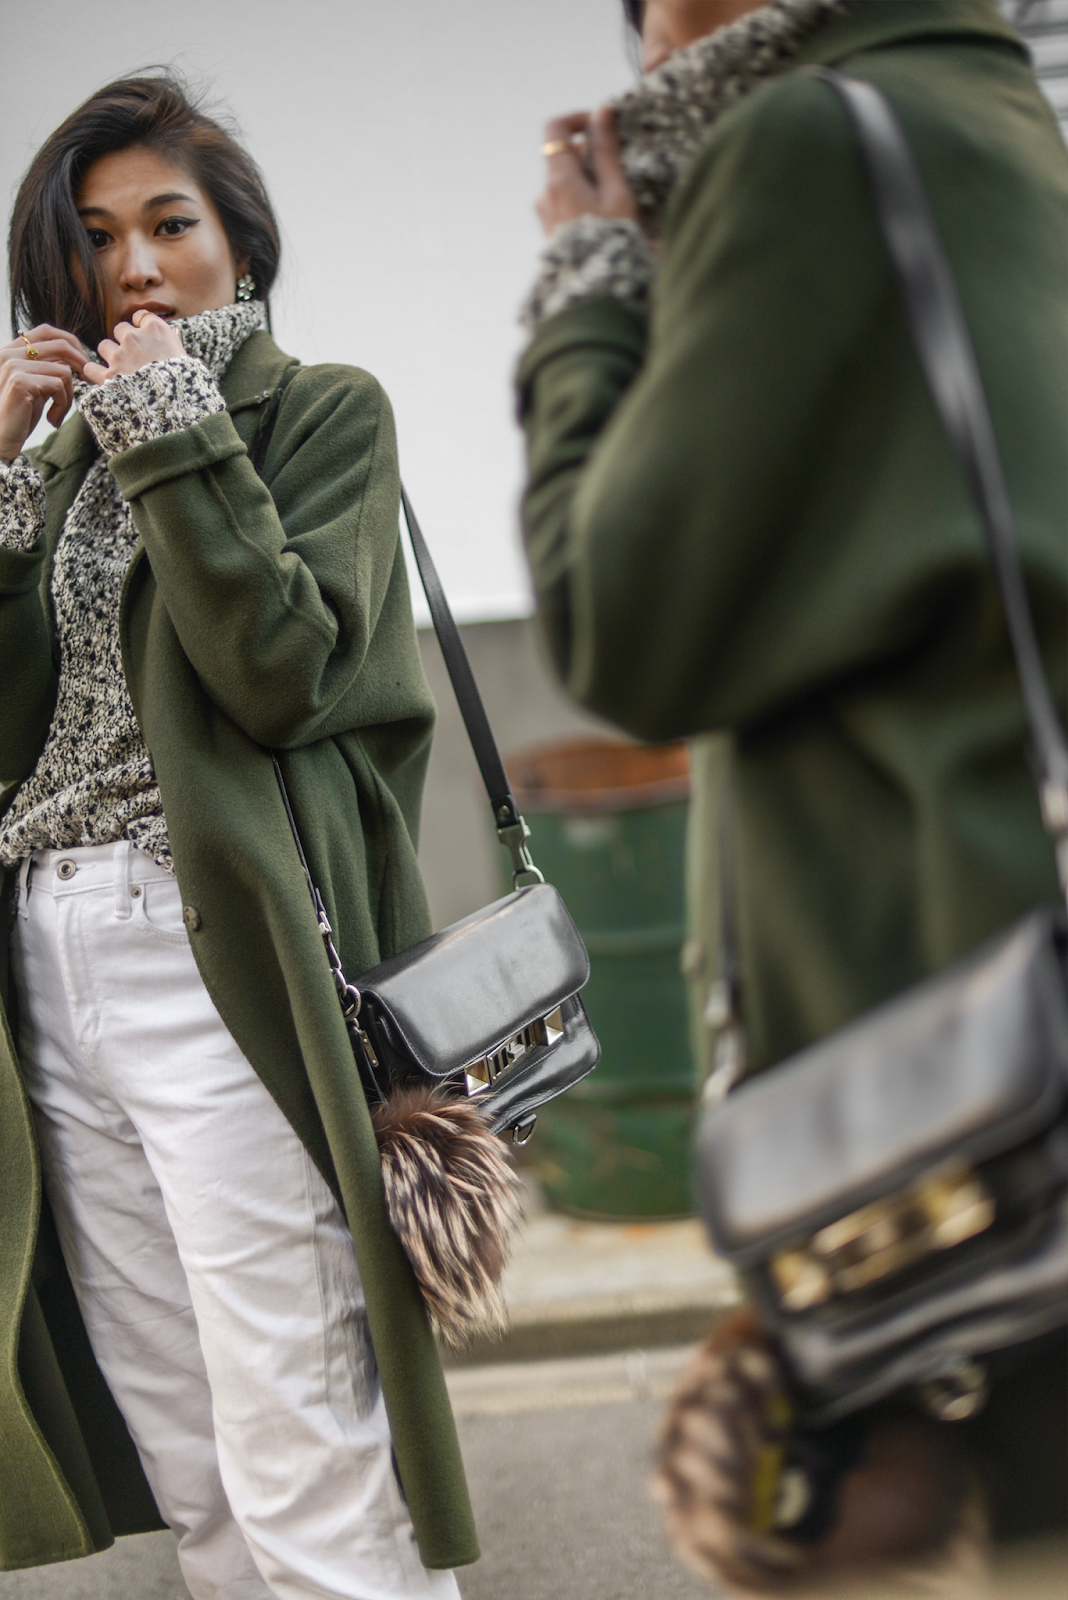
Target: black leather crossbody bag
[488,1009]
[896,1196]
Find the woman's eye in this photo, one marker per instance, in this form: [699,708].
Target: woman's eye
[171,227]
[97,238]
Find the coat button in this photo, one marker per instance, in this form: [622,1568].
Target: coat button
[191,918]
[65,870]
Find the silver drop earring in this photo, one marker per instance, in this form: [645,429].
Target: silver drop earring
[246,287]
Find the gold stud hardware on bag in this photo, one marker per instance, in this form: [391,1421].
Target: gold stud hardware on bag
[882,1238]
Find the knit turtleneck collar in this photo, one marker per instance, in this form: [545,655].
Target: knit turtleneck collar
[663,121]
[215,337]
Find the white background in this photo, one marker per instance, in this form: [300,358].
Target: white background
[400,140]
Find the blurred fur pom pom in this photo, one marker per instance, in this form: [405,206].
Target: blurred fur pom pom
[718,1461]
[882,1506]
[452,1195]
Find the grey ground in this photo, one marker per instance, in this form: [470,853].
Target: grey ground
[561,1505]
[557,1422]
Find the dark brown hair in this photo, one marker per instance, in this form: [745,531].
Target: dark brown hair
[55,276]
[632,10]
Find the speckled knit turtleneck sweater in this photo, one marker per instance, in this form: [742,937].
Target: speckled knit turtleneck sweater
[662,124]
[94,781]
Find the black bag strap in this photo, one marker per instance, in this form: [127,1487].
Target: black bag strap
[943,343]
[512,830]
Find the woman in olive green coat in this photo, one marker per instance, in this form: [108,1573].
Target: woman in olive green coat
[168,616]
[746,526]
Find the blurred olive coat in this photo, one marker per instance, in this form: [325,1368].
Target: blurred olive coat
[255,614]
[746,526]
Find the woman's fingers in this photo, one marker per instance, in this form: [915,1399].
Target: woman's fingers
[51,344]
[25,389]
[133,347]
[36,370]
[558,129]
[617,198]
[571,190]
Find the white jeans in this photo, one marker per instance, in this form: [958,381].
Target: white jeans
[213,1268]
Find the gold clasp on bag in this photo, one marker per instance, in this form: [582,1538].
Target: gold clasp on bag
[483,1074]
[882,1238]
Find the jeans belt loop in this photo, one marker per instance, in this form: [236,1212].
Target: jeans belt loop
[123,902]
[24,887]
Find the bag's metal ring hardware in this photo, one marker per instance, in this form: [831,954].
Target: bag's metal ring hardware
[514,836]
[522,1131]
[958,1393]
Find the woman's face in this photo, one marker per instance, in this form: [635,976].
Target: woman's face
[667,25]
[157,236]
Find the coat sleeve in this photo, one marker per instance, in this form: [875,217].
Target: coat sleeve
[664,514]
[274,586]
[27,670]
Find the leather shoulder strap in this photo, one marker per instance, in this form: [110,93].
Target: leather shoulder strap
[943,343]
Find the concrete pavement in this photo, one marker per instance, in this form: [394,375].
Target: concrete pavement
[557,1423]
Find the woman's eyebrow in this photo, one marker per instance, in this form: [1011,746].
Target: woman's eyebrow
[167,200]
[149,205]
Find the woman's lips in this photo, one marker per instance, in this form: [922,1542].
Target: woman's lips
[147,305]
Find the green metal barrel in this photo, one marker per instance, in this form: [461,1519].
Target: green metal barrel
[608,825]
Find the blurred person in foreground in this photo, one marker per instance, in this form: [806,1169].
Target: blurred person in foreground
[746,527]
[216,1325]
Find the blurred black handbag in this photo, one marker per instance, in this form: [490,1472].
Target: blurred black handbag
[895,1197]
[489,1008]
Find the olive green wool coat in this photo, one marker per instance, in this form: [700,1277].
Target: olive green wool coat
[256,614]
[746,526]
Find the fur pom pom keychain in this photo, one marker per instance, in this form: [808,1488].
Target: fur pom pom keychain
[882,1504]
[452,1195]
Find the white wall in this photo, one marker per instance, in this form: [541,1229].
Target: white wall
[1044,24]
[400,142]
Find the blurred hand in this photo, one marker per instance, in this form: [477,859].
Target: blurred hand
[569,191]
[30,383]
[133,348]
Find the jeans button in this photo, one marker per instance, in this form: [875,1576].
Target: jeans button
[66,869]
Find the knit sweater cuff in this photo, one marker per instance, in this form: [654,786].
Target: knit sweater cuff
[592,257]
[22,505]
[164,397]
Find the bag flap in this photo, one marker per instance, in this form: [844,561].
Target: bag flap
[461,993]
[966,1065]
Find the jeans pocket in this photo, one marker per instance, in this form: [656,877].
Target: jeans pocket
[159,911]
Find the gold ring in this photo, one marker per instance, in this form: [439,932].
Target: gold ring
[557,147]
[31,350]
[141,312]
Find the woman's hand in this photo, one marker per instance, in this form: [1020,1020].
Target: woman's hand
[29,383]
[132,348]
[569,191]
